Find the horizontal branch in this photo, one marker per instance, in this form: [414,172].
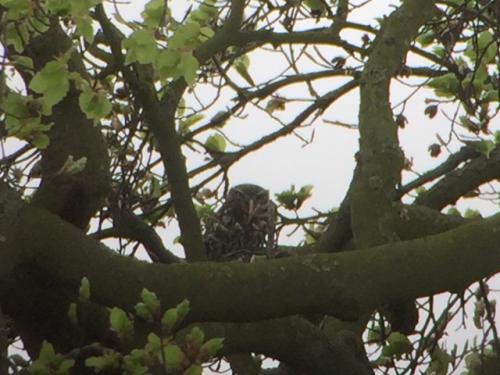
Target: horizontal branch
[344,285]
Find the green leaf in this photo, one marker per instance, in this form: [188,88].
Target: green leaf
[134,362]
[426,38]
[485,147]
[195,337]
[473,361]
[141,47]
[316,6]
[23,119]
[47,353]
[154,13]
[189,67]
[49,362]
[174,357]
[440,361]
[206,33]
[292,199]
[211,348]
[183,309]
[397,345]
[186,37]
[72,167]
[215,142]
[484,46]
[275,104]
[23,62]
[185,124]
[496,136]
[151,300]
[305,192]
[472,214]
[65,366]
[72,314]
[52,81]
[470,125]
[167,64]
[94,104]
[60,7]
[84,292]
[241,64]
[169,318]
[194,370]
[16,35]
[445,86]
[40,141]
[142,311]
[204,211]
[17,9]
[374,334]
[204,13]
[154,344]
[120,322]
[453,211]
[84,27]
[109,360]
[490,96]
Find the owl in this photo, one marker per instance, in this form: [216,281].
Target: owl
[243,226]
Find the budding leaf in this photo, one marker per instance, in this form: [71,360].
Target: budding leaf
[170,318]
[241,64]
[120,322]
[210,348]
[84,292]
[215,142]
[398,344]
[151,300]
[174,357]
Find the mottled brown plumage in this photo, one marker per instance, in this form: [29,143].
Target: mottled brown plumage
[243,226]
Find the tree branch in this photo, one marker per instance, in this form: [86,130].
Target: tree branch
[128,225]
[461,181]
[464,154]
[160,117]
[328,284]
[298,343]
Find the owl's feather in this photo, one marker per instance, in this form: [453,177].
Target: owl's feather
[243,226]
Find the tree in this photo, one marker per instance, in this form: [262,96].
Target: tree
[113,116]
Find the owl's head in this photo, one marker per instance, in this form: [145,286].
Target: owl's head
[248,192]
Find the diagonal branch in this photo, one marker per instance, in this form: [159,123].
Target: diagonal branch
[461,181]
[160,117]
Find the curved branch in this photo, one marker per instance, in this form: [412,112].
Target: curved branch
[328,283]
[128,225]
[461,181]
[453,161]
[296,342]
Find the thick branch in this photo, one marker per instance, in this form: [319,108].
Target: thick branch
[343,285]
[380,157]
[75,198]
[461,181]
[297,342]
